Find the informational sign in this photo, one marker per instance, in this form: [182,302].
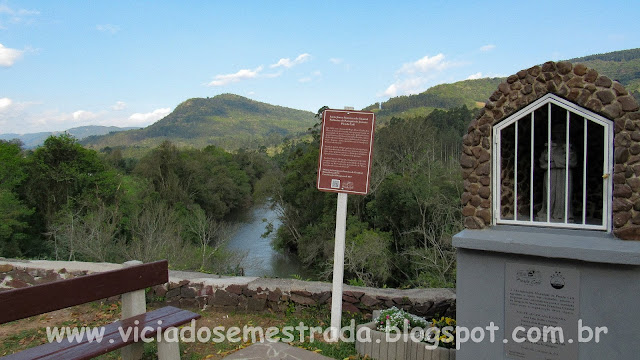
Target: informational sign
[345,151]
[544,302]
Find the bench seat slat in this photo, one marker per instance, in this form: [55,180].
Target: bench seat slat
[25,302]
[112,339]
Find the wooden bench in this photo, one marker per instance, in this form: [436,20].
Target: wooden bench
[129,281]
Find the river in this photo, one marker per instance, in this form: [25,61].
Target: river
[262,259]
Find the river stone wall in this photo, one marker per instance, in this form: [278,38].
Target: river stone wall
[582,86]
[250,294]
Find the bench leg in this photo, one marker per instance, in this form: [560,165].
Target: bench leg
[168,350]
[133,303]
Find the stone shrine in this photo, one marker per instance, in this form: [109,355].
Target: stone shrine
[551,171]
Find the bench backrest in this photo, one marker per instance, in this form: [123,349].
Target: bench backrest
[39,299]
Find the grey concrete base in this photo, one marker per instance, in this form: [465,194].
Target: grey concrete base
[277,350]
[609,285]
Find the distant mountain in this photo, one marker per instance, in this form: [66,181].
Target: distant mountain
[623,66]
[36,139]
[471,93]
[227,120]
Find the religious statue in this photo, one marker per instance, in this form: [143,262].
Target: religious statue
[556,170]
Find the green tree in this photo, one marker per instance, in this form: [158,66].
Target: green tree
[14,214]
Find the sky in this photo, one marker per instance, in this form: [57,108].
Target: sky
[129,63]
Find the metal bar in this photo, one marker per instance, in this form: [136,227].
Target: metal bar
[515,174]
[584,175]
[566,172]
[533,121]
[605,180]
[549,162]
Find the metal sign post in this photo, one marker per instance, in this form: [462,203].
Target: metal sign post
[338,266]
[346,149]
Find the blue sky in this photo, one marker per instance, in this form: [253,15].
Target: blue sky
[129,63]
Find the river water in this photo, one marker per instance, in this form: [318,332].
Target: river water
[261,259]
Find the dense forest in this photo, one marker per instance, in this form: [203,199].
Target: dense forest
[400,233]
[63,201]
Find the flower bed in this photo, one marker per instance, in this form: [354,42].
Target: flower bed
[383,339]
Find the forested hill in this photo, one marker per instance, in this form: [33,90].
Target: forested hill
[623,66]
[227,120]
[471,93]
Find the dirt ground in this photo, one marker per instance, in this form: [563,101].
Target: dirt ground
[25,333]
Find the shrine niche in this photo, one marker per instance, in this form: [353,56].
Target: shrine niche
[557,145]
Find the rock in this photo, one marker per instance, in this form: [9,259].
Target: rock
[350,308]
[484,192]
[472,222]
[591,76]
[485,215]
[619,89]
[173,293]
[160,290]
[274,295]
[301,293]
[603,81]
[628,233]
[621,218]
[349,299]
[188,292]
[628,103]
[236,289]
[564,67]
[621,205]
[369,301]
[623,191]
[634,184]
[302,300]
[467,161]
[613,110]
[255,304]
[5,268]
[621,156]
[580,69]
[223,298]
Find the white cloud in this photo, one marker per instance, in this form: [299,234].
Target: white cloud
[488,47]
[425,65]
[119,105]
[413,77]
[287,63]
[16,16]
[141,119]
[108,28]
[336,61]
[82,115]
[243,74]
[5,103]
[9,56]
[314,75]
[475,76]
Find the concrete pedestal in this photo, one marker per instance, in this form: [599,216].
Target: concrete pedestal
[609,285]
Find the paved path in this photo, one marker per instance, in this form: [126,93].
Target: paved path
[276,351]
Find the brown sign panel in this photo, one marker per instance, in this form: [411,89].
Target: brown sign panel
[346,149]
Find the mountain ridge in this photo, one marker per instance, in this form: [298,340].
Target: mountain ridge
[227,120]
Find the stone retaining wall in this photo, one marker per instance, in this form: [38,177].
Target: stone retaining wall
[250,294]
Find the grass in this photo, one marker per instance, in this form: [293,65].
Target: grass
[25,333]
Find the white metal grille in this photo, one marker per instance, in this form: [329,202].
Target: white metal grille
[551,167]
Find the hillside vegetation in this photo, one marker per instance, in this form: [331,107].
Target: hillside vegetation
[33,140]
[623,66]
[470,93]
[227,120]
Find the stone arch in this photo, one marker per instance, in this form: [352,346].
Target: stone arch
[582,86]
